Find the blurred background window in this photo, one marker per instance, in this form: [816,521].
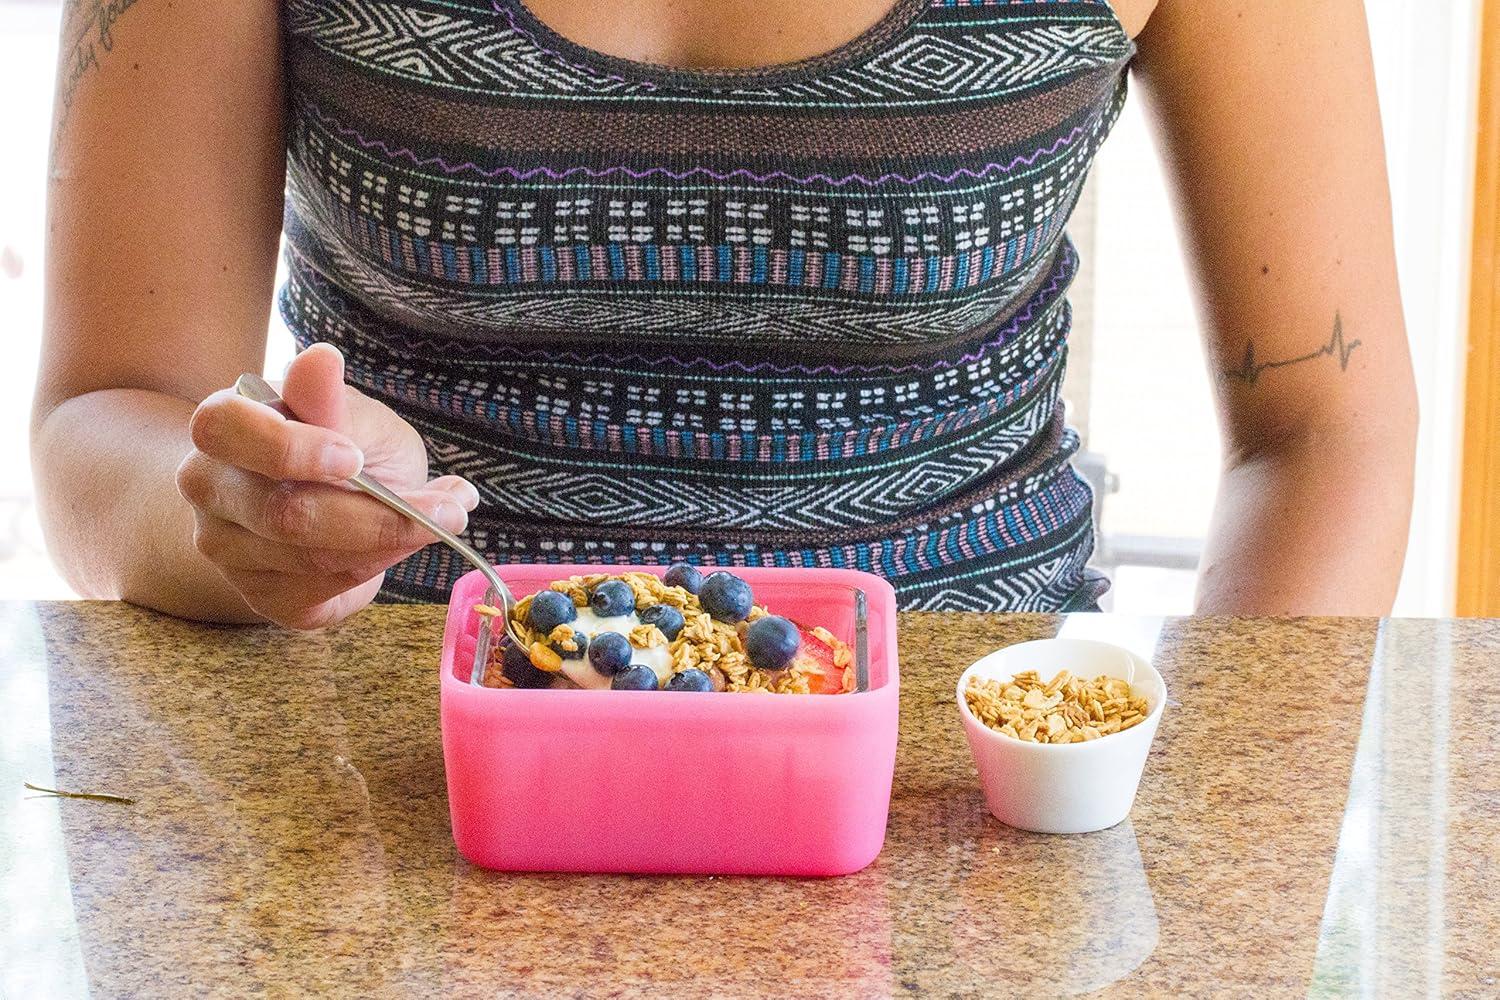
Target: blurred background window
[1138,377]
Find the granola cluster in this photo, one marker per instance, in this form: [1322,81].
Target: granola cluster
[1066,709]
[704,643]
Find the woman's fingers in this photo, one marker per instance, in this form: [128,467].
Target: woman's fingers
[458,487]
[240,432]
[319,515]
[314,387]
[233,546]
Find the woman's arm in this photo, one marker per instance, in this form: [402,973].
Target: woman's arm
[163,215]
[1268,120]
[164,208]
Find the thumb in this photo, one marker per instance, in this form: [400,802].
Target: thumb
[314,388]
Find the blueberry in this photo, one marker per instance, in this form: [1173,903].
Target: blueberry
[637,678]
[516,665]
[771,642]
[612,598]
[726,597]
[685,576]
[580,641]
[610,653]
[550,609]
[690,680]
[664,617]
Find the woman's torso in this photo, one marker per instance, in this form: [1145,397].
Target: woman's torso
[810,315]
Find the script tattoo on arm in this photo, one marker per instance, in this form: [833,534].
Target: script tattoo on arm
[1252,368]
[88,36]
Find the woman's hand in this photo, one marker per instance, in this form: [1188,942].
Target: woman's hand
[272,513]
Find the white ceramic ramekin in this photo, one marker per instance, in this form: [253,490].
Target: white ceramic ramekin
[1067,787]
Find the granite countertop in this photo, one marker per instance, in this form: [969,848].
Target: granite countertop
[1320,815]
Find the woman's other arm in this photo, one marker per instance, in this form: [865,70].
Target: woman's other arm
[1268,120]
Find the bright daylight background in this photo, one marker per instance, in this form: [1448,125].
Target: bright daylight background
[1139,375]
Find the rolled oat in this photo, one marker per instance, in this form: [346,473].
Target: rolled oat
[1066,709]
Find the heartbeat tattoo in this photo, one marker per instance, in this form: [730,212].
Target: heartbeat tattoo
[1251,369]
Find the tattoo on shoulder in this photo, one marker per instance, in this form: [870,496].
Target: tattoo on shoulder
[88,38]
[1337,347]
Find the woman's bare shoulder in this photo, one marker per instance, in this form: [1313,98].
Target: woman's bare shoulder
[1133,14]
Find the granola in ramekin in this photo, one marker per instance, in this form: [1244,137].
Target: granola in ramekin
[1066,709]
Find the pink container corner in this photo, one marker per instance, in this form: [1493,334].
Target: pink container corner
[670,782]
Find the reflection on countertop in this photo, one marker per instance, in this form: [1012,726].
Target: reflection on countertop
[1291,835]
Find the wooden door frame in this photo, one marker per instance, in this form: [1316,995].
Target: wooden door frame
[1478,588]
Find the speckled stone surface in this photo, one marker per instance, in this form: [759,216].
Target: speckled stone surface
[1320,815]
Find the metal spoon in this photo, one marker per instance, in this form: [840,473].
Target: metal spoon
[258,389]
[861,641]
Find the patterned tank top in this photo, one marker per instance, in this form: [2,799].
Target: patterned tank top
[807,315]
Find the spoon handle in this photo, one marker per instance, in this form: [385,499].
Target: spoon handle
[365,484]
[861,641]
[255,388]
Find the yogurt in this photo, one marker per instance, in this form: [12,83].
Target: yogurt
[582,673]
